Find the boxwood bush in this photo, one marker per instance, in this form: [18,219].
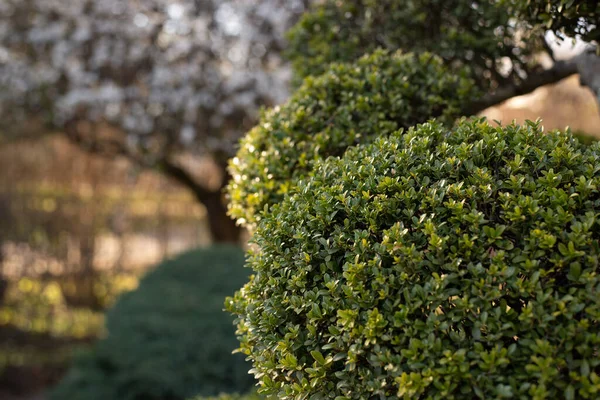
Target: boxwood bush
[170,338]
[351,103]
[476,34]
[432,264]
[567,18]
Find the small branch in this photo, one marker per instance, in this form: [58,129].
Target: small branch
[107,148]
[559,71]
[586,64]
[186,179]
[548,49]
[223,228]
[111,148]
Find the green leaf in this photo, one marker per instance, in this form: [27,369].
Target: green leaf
[318,356]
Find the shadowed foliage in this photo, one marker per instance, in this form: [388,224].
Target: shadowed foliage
[169,339]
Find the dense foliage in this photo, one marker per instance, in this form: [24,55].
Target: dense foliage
[481,35]
[564,17]
[349,104]
[252,396]
[432,264]
[170,338]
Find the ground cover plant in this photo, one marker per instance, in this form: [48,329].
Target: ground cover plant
[252,396]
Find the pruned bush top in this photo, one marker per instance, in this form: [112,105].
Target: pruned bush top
[432,264]
[351,103]
[170,338]
[482,35]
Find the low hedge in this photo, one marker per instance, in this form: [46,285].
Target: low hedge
[252,396]
[169,339]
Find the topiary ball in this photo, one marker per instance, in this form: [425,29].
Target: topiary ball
[170,338]
[476,34]
[432,264]
[350,104]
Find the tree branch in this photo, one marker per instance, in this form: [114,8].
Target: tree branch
[559,71]
[110,148]
[184,178]
[548,48]
[222,228]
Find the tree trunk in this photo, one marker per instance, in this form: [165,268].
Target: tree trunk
[5,217]
[3,280]
[222,228]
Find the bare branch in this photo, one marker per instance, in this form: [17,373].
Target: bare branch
[548,48]
[223,228]
[559,71]
[186,179]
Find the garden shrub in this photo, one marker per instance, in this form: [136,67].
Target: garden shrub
[432,264]
[350,104]
[474,34]
[169,339]
[252,396]
[567,18]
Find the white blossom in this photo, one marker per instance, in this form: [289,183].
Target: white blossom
[191,72]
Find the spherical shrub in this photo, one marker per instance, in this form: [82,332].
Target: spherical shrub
[169,339]
[476,34]
[432,264]
[350,104]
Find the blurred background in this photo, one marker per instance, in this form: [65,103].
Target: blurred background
[117,122]
[77,230]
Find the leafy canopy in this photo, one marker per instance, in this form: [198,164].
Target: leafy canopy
[167,76]
[565,17]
